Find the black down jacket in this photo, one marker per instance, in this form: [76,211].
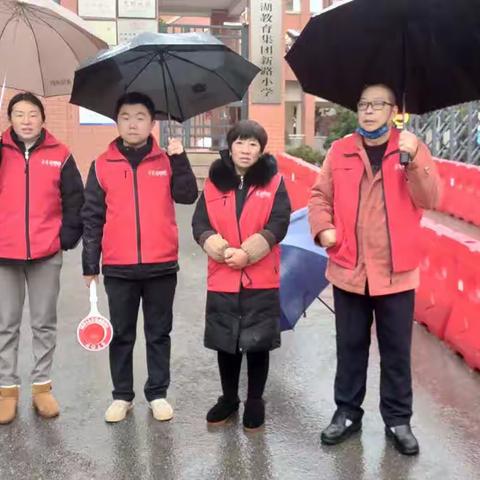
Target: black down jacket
[247,321]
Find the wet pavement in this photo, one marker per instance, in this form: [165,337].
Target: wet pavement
[79,445]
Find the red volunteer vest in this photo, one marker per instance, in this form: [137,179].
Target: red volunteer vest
[30,199]
[222,213]
[140,224]
[403,217]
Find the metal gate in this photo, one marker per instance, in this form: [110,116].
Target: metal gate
[452,133]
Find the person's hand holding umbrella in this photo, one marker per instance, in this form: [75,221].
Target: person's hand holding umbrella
[175,147]
[408,143]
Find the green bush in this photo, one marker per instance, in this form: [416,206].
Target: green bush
[307,153]
[345,123]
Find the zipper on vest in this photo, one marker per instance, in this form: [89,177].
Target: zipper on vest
[356,219]
[240,187]
[249,194]
[137,215]
[27,203]
[388,225]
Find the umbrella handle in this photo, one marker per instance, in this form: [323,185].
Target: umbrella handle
[3,89]
[169,122]
[405,158]
[169,118]
[93,298]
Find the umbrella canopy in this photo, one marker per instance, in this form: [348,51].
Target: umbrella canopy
[41,44]
[302,270]
[426,51]
[185,74]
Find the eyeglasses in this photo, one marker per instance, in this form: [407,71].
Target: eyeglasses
[376,105]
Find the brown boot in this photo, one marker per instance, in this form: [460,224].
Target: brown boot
[43,400]
[8,404]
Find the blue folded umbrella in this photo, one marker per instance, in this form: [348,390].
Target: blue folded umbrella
[302,270]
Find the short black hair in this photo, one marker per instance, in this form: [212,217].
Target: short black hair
[25,97]
[245,129]
[134,98]
[391,91]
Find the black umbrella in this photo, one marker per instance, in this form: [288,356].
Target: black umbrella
[427,51]
[185,74]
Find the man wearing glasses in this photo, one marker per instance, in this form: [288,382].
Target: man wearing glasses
[365,208]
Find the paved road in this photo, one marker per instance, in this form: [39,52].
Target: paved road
[80,446]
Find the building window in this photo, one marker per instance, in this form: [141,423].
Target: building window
[293,5]
[325,115]
[316,6]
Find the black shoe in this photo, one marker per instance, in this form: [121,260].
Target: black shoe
[254,414]
[222,410]
[403,439]
[340,428]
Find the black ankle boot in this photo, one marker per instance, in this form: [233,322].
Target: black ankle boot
[254,414]
[403,439]
[222,410]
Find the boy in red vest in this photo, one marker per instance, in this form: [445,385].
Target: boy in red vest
[366,208]
[129,219]
[41,194]
[240,219]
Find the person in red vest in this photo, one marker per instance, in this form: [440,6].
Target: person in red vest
[41,194]
[239,220]
[129,220]
[365,208]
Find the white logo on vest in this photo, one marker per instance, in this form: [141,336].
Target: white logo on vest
[263,194]
[157,173]
[52,163]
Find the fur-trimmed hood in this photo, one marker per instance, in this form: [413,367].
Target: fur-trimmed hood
[223,176]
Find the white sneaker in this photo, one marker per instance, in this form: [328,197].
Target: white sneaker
[161,410]
[117,411]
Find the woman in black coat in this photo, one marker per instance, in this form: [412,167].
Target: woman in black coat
[244,200]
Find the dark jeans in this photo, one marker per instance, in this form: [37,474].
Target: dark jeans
[124,300]
[230,365]
[393,319]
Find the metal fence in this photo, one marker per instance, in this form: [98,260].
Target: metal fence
[208,131]
[452,133]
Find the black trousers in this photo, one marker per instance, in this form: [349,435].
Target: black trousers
[393,319]
[230,365]
[124,296]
